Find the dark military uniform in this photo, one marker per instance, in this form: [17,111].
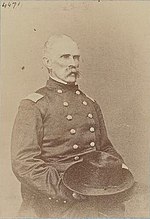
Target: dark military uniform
[54,128]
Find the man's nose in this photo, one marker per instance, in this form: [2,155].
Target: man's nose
[72,61]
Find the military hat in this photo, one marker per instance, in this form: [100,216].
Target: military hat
[98,173]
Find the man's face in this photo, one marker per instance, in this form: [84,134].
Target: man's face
[65,60]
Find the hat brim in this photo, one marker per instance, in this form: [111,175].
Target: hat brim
[71,176]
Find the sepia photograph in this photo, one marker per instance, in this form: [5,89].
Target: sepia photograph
[75,109]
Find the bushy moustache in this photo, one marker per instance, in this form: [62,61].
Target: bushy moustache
[74,71]
[77,73]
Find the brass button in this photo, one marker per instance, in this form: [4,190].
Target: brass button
[72,131]
[92,144]
[65,103]
[84,103]
[69,117]
[92,129]
[74,194]
[59,91]
[90,115]
[77,92]
[76,158]
[75,146]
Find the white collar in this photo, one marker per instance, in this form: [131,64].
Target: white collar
[59,80]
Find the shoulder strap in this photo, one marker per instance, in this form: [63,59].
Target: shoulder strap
[34,97]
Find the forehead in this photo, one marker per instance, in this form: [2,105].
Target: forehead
[65,46]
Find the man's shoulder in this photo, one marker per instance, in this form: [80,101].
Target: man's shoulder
[34,97]
[36,100]
[39,95]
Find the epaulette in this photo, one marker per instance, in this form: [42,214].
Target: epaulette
[90,98]
[34,97]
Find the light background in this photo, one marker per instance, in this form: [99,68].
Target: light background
[114,39]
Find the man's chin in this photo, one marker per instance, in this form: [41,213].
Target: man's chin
[71,79]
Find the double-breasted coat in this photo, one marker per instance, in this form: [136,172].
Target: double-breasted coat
[54,128]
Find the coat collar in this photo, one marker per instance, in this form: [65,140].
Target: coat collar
[53,84]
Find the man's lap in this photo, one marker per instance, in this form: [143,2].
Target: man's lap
[92,207]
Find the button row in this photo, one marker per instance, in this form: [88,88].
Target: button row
[75,146]
[77,92]
[67,104]
[92,144]
[73,131]
[60,91]
[69,117]
[64,201]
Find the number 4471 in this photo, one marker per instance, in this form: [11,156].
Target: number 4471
[10,4]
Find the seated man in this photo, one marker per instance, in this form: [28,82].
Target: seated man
[54,129]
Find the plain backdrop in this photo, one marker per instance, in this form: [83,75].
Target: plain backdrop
[114,39]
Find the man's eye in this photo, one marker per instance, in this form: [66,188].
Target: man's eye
[65,56]
[76,57]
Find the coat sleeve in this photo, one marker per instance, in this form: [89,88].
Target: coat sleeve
[26,149]
[105,144]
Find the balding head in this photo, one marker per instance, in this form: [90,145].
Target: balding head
[57,42]
[61,57]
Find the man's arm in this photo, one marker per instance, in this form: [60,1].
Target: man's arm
[105,144]
[26,149]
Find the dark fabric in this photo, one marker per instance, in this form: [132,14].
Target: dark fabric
[92,207]
[42,142]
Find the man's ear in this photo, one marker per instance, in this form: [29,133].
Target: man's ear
[47,62]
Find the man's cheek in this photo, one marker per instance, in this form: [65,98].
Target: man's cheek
[64,64]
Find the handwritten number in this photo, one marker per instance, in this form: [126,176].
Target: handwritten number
[10,4]
[14,4]
[4,5]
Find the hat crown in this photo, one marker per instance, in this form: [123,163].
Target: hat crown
[98,174]
[102,159]
[102,170]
